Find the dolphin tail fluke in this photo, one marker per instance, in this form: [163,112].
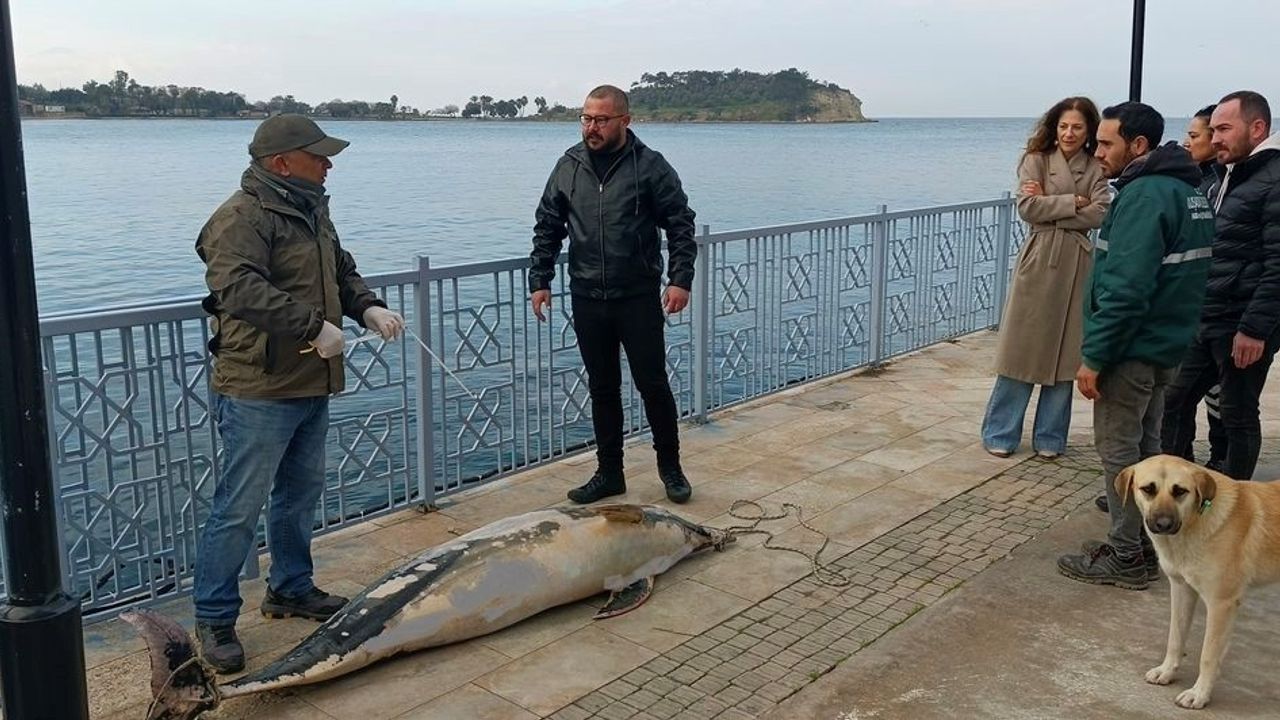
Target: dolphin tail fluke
[627,599]
[181,687]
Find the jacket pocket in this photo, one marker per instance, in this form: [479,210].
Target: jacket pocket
[281,356]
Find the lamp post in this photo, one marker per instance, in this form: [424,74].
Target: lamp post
[41,646]
[1135,50]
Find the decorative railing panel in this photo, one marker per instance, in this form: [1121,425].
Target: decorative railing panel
[136,452]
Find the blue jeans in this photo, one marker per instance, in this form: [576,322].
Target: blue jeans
[274,447]
[1002,425]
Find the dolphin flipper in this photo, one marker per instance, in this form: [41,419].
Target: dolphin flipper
[627,599]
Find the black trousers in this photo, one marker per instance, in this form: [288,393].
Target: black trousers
[1207,363]
[634,324]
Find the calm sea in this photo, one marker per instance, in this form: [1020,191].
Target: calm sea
[116,204]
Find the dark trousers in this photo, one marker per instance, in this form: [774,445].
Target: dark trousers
[1126,430]
[1207,363]
[634,324]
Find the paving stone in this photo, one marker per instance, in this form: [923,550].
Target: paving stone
[685,696]
[572,712]
[661,686]
[617,711]
[665,708]
[594,702]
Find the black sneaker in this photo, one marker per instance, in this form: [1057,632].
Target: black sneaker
[315,604]
[602,484]
[1100,502]
[1104,567]
[1150,561]
[220,648]
[677,485]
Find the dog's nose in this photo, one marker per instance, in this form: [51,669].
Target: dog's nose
[1164,525]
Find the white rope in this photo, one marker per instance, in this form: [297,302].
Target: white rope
[823,572]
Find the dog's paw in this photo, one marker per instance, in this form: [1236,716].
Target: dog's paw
[1161,674]
[1193,698]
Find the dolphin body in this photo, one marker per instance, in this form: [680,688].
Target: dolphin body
[481,582]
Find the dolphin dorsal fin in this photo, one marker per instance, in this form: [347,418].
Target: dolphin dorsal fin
[621,513]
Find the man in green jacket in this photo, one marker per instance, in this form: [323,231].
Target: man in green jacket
[1142,307]
[279,284]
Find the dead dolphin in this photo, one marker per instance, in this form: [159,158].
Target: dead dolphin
[481,582]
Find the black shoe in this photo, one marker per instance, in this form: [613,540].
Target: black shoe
[220,648]
[601,485]
[1150,561]
[1104,567]
[678,488]
[1101,503]
[316,605]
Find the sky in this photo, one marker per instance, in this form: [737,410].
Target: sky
[915,58]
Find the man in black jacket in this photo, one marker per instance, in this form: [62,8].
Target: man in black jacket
[611,195]
[1240,324]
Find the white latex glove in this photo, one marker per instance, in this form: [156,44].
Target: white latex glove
[384,322]
[329,342]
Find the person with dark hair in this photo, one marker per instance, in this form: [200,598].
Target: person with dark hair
[1062,195]
[1199,142]
[1140,312]
[1240,325]
[611,195]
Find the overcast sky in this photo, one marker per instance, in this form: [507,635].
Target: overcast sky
[901,57]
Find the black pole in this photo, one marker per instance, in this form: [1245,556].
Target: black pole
[1135,53]
[41,645]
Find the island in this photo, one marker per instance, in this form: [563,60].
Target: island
[736,95]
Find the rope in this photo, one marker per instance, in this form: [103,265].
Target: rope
[168,683]
[373,336]
[824,573]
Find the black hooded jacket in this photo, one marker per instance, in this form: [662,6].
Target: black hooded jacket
[1244,278]
[613,225]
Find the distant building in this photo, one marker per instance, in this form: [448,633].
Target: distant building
[26,108]
[55,109]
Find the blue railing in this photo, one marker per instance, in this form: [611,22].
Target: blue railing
[136,455]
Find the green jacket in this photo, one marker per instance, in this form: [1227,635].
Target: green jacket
[275,274]
[1143,297]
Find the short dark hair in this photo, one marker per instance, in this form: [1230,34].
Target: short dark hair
[1252,106]
[1206,112]
[1137,120]
[613,93]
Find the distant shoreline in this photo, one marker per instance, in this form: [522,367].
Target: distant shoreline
[82,116]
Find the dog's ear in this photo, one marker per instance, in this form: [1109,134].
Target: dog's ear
[1206,487]
[1124,481]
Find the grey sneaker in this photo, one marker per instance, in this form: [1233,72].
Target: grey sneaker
[1150,561]
[220,648]
[316,605]
[1104,567]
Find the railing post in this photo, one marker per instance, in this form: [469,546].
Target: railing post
[1004,242]
[423,370]
[701,324]
[879,287]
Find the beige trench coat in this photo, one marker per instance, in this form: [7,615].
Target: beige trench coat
[1041,330]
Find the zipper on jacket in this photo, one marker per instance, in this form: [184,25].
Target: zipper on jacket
[604,283]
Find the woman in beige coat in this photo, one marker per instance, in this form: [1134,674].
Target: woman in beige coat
[1061,196]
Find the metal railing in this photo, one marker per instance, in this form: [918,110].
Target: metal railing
[136,453]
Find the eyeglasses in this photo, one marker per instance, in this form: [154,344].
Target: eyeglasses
[588,120]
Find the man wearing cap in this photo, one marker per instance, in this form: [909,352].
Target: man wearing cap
[279,285]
